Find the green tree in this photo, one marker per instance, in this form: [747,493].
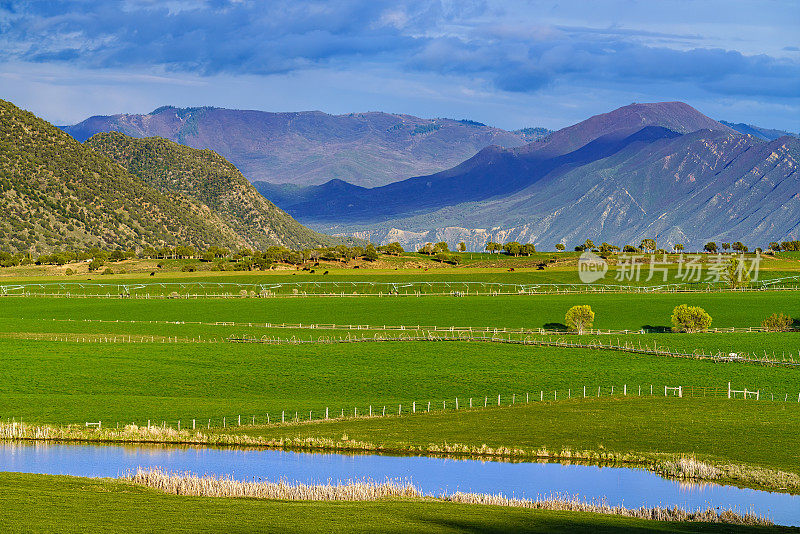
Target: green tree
[687,318]
[710,247]
[739,247]
[678,247]
[588,244]
[528,249]
[441,246]
[736,273]
[726,246]
[513,248]
[370,254]
[394,248]
[462,247]
[560,247]
[777,322]
[95,264]
[648,244]
[579,318]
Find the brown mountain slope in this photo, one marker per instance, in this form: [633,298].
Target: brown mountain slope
[56,193]
[207,179]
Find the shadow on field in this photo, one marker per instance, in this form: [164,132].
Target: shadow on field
[559,327]
[650,329]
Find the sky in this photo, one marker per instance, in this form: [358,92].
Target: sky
[511,64]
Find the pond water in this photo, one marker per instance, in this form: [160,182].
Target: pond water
[615,485]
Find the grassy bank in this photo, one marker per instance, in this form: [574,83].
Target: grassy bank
[39,503]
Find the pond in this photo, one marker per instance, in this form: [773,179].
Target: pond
[617,486]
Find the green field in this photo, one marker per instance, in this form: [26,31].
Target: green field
[67,361]
[612,311]
[37,503]
[621,424]
[56,382]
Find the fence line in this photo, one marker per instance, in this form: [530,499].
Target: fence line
[425,336]
[402,328]
[362,288]
[451,405]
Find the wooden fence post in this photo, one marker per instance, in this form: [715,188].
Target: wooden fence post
[193,424]
[729,390]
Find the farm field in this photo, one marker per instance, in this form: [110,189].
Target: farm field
[541,268]
[66,361]
[612,311]
[57,503]
[116,382]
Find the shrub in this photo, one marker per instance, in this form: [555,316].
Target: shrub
[736,274]
[579,318]
[95,264]
[687,318]
[187,269]
[777,322]
[108,271]
[69,272]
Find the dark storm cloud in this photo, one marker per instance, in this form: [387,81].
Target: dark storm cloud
[448,38]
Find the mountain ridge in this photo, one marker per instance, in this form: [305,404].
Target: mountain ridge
[56,192]
[679,176]
[312,147]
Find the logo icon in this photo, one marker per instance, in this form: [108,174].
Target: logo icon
[591,267]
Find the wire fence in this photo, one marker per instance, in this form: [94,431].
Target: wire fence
[322,288]
[403,328]
[438,335]
[453,405]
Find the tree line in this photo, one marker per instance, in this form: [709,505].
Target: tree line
[242,259]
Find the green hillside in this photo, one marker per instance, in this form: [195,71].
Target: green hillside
[57,193]
[207,179]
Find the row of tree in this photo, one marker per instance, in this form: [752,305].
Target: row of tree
[249,259]
[513,248]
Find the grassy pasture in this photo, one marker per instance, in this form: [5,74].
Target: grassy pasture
[613,311]
[58,382]
[42,503]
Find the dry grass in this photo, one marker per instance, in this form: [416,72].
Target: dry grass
[188,484]
[688,468]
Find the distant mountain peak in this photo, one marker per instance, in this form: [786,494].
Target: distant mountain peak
[676,116]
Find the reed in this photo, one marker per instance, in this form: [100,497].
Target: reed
[207,486]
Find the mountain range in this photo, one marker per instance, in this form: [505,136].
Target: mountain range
[659,170]
[116,191]
[311,147]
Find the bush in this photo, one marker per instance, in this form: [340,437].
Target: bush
[187,269]
[95,264]
[579,318]
[69,272]
[777,322]
[108,271]
[687,318]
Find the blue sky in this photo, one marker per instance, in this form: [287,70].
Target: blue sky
[509,64]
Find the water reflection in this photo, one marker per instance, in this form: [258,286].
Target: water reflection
[531,480]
